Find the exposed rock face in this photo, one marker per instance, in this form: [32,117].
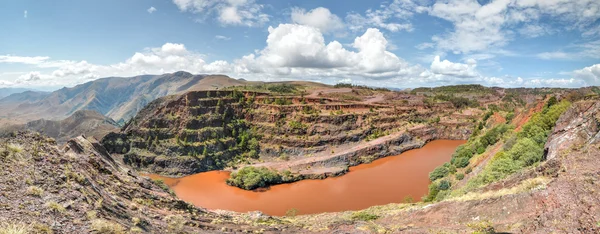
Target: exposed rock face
[208,130]
[579,125]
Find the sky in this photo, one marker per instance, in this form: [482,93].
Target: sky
[50,44]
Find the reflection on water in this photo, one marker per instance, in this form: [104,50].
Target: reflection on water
[387,180]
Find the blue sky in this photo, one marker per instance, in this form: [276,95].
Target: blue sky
[402,43]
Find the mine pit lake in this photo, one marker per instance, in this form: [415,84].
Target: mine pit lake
[383,181]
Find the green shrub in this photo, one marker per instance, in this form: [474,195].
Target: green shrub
[459,176]
[254,177]
[363,216]
[444,185]
[461,162]
[439,172]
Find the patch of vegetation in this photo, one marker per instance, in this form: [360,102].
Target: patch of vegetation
[282,88]
[363,216]
[258,177]
[479,89]
[55,207]
[14,228]
[104,226]
[521,149]
[457,102]
[346,85]
[35,191]
[527,150]
[175,223]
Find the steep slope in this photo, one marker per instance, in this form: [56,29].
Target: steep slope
[117,98]
[79,188]
[83,122]
[559,195]
[312,137]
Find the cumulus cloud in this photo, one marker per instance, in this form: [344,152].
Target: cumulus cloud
[31,76]
[448,68]
[320,18]
[228,12]
[296,50]
[151,10]
[591,74]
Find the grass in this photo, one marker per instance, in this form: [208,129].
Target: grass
[35,191]
[55,207]
[525,186]
[15,228]
[102,226]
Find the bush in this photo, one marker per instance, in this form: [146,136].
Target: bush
[439,172]
[254,177]
[444,185]
[282,88]
[460,176]
[461,162]
[363,216]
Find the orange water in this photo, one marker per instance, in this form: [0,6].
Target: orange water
[386,180]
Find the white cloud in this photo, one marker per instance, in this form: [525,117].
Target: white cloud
[534,30]
[221,37]
[228,12]
[151,10]
[483,27]
[170,57]
[387,17]
[586,50]
[448,68]
[591,74]
[20,59]
[25,14]
[296,50]
[320,18]
[31,76]
[554,55]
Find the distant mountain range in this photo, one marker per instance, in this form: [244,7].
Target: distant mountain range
[116,97]
[4,92]
[82,122]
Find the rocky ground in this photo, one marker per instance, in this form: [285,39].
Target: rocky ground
[80,188]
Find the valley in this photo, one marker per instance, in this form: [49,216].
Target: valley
[215,154]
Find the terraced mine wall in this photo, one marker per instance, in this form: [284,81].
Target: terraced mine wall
[209,130]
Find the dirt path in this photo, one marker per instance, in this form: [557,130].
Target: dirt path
[374,99]
[327,155]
